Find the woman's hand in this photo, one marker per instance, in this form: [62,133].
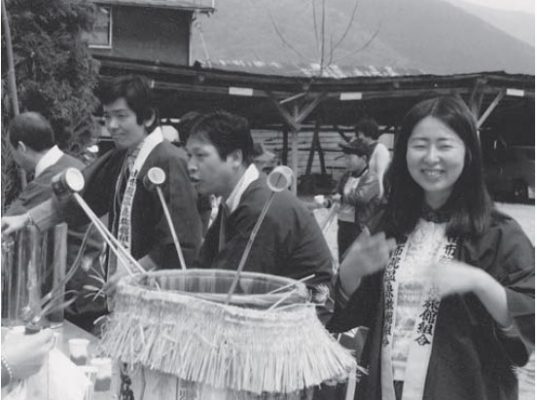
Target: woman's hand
[336,198]
[25,354]
[367,255]
[456,277]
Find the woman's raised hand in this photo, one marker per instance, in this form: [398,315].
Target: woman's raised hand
[367,255]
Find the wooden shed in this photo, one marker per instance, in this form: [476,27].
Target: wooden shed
[298,116]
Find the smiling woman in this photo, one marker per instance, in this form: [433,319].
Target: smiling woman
[435,159]
[451,309]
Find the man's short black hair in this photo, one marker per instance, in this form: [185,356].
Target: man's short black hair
[368,127]
[227,132]
[186,122]
[32,129]
[136,91]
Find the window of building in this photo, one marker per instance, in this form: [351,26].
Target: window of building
[101,36]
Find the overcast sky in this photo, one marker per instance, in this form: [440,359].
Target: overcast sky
[518,5]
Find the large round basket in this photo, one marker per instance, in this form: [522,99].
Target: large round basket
[176,338]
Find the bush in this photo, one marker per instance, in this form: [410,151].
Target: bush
[55,72]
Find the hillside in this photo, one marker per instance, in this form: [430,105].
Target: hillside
[518,24]
[431,35]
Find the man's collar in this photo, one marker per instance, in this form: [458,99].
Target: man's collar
[146,146]
[154,137]
[50,158]
[251,174]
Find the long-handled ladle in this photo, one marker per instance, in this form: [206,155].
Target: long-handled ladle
[154,179]
[278,180]
[69,183]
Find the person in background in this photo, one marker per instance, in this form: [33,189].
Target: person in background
[449,301]
[114,185]
[289,242]
[356,192]
[33,147]
[368,130]
[24,355]
[263,159]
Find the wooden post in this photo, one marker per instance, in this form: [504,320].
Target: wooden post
[490,108]
[9,254]
[33,279]
[313,147]
[59,263]
[19,272]
[285,144]
[316,146]
[26,275]
[476,98]
[294,151]
[294,121]
[320,150]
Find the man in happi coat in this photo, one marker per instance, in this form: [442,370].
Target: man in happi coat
[32,143]
[289,242]
[114,184]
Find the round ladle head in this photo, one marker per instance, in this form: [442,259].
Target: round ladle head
[155,177]
[68,182]
[280,178]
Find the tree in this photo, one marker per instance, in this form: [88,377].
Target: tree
[55,73]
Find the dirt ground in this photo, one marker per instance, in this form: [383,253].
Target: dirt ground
[525,216]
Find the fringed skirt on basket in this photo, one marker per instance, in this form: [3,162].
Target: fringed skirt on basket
[175,337]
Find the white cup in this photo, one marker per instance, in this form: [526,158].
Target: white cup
[103,379]
[91,373]
[78,350]
[319,199]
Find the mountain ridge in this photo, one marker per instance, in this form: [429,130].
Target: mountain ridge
[434,36]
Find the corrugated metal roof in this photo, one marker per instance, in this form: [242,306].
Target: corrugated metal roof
[309,70]
[198,5]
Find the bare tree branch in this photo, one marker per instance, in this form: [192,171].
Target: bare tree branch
[282,38]
[323,19]
[331,50]
[347,29]
[366,44]
[315,26]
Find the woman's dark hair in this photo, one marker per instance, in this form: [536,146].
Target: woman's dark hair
[469,204]
[225,131]
[33,130]
[137,93]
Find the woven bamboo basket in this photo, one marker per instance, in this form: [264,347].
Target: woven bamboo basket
[182,341]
